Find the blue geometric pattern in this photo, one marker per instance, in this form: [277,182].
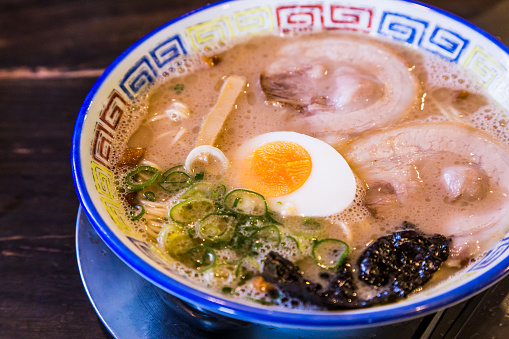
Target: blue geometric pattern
[138,77]
[168,50]
[493,255]
[445,43]
[434,38]
[402,28]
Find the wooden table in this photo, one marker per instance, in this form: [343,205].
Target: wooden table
[51,53]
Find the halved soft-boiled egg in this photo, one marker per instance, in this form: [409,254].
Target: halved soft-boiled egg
[297,174]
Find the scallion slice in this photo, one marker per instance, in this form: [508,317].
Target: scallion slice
[227,290]
[200,258]
[174,181]
[172,186]
[177,176]
[291,243]
[174,240]
[199,176]
[172,169]
[140,214]
[261,301]
[268,235]
[149,195]
[135,179]
[246,202]
[198,189]
[306,227]
[246,269]
[330,253]
[191,210]
[217,227]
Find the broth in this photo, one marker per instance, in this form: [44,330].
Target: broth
[167,122]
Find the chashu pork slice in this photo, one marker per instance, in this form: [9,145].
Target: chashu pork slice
[445,177]
[340,86]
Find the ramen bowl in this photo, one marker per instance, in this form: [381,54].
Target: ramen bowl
[129,76]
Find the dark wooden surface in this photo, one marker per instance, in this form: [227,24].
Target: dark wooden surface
[51,52]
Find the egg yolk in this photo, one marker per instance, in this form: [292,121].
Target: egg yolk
[276,168]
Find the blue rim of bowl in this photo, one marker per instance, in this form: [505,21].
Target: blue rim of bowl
[253,313]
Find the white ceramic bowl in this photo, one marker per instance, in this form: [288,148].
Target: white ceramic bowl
[412,23]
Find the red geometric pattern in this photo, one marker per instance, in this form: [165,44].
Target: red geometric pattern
[104,130]
[114,110]
[350,18]
[298,18]
[101,147]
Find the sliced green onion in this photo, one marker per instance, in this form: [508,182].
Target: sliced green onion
[199,176]
[198,189]
[246,202]
[217,227]
[236,202]
[271,220]
[177,176]
[200,258]
[243,273]
[246,269]
[172,186]
[209,231]
[178,243]
[261,301]
[227,290]
[330,253]
[267,235]
[140,213]
[134,178]
[174,240]
[149,195]
[291,242]
[191,210]
[175,181]
[306,227]
[173,169]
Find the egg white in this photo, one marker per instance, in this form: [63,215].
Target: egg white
[330,187]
